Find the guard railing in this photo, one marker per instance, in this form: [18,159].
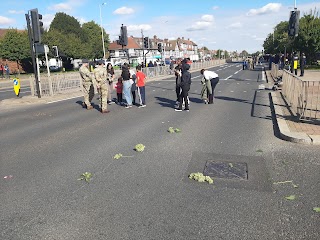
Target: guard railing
[303,96]
[66,82]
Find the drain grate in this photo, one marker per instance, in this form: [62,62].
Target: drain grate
[228,170]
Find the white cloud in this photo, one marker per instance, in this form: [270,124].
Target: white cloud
[201,25]
[47,19]
[144,27]
[215,7]
[207,18]
[269,8]
[235,25]
[16,12]
[61,7]
[4,21]
[123,10]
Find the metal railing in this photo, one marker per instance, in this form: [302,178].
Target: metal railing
[275,70]
[66,82]
[303,96]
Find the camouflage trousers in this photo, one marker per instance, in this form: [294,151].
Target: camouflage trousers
[104,90]
[88,93]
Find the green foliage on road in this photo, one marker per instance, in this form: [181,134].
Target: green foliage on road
[139,147]
[291,197]
[199,177]
[85,176]
[174,130]
[316,209]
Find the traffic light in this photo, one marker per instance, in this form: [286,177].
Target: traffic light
[123,39]
[37,25]
[146,42]
[159,47]
[294,23]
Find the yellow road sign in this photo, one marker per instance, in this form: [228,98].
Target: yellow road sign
[16,86]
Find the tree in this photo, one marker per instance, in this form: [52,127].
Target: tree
[93,33]
[68,25]
[15,46]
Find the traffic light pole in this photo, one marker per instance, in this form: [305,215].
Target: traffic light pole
[33,57]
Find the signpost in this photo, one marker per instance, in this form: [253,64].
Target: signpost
[16,86]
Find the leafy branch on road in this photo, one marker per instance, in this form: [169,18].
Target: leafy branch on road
[199,177]
[174,130]
[291,197]
[119,155]
[85,176]
[285,182]
[139,147]
[316,209]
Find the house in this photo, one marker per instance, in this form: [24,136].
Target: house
[135,52]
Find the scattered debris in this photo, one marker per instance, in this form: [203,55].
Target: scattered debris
[174,130]
[139,147]
[285,182]
[200,177]
[316,209]
[230,165]
[8,177]
[85,176]
[119,155]
[291,197]
[259,150]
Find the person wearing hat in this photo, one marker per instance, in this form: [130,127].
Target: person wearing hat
[87,83]
[101,77]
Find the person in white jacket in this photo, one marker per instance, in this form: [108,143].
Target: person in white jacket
[213,77]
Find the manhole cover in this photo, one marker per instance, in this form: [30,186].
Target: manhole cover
[229,170]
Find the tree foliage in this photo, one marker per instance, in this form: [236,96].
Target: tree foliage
[307,41]
[15,46]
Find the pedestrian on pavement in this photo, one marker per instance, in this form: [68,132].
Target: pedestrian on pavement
[2,70]
[110,71]
[185,86]
[126,84]
[141,78]
[87,83]
[133,86]
[119,87]
[295,63]
[303,62]
[101,76]
[6,67]
[213,78]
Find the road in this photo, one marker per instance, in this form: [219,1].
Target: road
[147,195]
[7,92]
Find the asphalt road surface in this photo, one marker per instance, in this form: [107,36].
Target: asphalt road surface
[8,92]
[147,195]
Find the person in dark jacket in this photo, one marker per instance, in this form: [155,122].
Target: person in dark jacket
[303,62]
[177,72]
[185,86]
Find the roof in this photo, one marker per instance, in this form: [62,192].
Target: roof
[132,44]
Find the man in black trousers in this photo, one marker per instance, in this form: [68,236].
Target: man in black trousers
[185,86]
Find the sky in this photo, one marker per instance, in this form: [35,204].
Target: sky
[232,25]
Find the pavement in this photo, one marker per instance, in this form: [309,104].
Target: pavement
[290,128]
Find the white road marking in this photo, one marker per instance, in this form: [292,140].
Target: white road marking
[244,91]
[263,76]
[62,100]
[231,91]
[238,71]
[229,77]
[153,90]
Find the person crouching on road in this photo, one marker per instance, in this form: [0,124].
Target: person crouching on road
[206,90]
[119,87]
[213,78]
[126,84]
[101,76]
[185,86]
[87,83]
[141,86]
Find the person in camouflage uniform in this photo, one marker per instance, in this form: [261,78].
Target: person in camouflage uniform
[101,76]
[87,83]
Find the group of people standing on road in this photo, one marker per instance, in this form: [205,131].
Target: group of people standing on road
[183,84]
[127,85]
[131,82]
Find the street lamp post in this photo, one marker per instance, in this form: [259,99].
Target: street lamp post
[104,50]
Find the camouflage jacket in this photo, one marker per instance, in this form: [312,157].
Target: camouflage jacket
[100,74]
[85,74]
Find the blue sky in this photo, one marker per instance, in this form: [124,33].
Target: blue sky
[233,25]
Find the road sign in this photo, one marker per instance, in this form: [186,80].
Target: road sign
[16,86]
